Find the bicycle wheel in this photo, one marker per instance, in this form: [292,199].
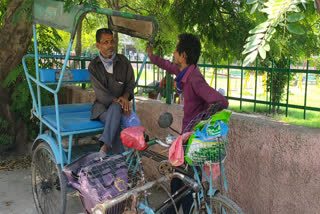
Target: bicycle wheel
[220,205]
[48,183]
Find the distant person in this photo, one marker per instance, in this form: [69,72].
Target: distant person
[198,95]
[113,81]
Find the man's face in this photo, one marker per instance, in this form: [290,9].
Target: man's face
[106,45]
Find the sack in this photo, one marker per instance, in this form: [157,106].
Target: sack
[130,121]
[133,137]
[208,144]
[98,178]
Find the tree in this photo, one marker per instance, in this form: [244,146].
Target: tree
[221,25]
[15,38]
[290,29]
[280,13]
[16,102]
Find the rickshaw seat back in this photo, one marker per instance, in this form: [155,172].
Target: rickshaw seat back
[71,75]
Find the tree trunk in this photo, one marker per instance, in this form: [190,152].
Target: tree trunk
[78,48]
[318,5]
[114,5]
[116,41]
[79,36]
[14,42]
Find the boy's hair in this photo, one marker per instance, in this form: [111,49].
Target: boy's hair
[189,44]
[102,31]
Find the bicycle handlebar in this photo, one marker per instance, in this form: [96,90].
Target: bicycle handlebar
[101,208]
[162,143]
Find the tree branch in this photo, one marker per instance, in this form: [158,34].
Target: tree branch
[136,10]
[109,3]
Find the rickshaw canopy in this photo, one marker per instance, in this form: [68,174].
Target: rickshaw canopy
[53,14]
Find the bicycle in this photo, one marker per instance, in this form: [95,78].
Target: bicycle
[206,199]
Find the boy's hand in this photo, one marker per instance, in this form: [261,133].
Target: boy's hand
[149,49]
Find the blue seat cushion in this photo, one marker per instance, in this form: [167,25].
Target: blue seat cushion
[67,108]
[73,121]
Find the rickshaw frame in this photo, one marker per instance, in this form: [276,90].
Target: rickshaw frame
[78,11]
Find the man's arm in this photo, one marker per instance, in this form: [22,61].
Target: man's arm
[130,82]
[128,90]
[162,63]
[208,94]
[103,95]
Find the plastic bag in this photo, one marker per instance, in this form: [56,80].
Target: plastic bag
[130,121]
[215,170]
[176,152]
[133,137]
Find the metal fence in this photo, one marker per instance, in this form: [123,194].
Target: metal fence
[241,84]
[250,84]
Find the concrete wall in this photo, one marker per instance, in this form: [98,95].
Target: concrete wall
[271,167]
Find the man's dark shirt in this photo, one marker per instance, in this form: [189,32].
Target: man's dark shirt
[109,86]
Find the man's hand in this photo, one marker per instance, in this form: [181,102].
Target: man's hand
[149,49]
[124,102]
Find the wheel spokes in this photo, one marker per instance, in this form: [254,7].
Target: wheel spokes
[46,184]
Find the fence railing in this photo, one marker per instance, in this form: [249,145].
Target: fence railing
[256,85]
[298,88]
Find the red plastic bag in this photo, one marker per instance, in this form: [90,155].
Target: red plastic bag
[132,137]
[176,152]
[215,170]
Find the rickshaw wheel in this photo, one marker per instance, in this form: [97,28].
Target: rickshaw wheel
[48,183]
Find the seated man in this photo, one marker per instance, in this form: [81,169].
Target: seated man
[113,81]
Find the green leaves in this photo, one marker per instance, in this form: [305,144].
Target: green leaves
[255,6]
[251,1]
[295,17]
[294,28]
[250,58]
[260,28]
[258,41]
[262,52]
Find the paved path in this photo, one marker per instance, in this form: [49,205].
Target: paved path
[16,195]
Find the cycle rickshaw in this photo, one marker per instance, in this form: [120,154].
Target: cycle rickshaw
[68,121]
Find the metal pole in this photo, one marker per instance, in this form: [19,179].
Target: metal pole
[288,89]
[306,92]
[255,88]
[241,85]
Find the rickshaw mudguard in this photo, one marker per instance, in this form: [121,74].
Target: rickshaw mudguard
[53,145]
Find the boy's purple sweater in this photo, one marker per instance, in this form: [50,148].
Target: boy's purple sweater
[198,95]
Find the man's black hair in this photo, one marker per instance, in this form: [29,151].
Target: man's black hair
[102,31]
[189,44]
